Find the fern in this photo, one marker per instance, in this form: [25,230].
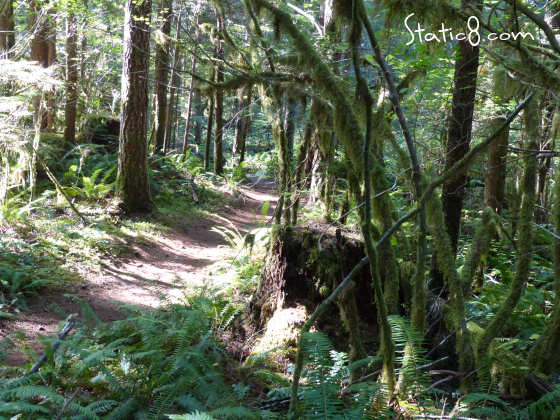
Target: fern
[410,356]
[541,409]
[195,416]
[327,371]
[233,413]
[20,407]
[124,410]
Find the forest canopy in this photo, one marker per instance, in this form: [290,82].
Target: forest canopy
[279,209]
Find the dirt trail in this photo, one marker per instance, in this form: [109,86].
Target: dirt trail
[164,267]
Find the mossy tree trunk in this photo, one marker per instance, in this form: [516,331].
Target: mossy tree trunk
[459,135]
[544,356]
[446,263]
[494,192]
[210,123]
[349,131]
[524,248]
[244,99]
[319,154]
[299,170]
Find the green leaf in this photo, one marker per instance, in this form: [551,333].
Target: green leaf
[6,315]
[264,208]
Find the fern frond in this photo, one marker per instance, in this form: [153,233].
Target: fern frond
[194,416]
[233,413]
[102,406]
[20,407]
[124,410]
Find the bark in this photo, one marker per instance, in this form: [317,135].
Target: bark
[209,133]
[458,139]
[300,169]
[460,129]
[545,144]
[244,98]
[71,79]
[175,83]
[39,44]
[43,50]
[50,115]
[162,75]
[197,125]
[7,34]
[83,65]
[132,178]
[320,152]
[290,114]
[219,132]
[494,182]
[191,92]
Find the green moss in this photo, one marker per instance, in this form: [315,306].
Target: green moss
[524,251]
[479,247]
[446,263]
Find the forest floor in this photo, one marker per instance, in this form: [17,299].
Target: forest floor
[156,269]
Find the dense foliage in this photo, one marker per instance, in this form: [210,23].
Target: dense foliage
[413,149]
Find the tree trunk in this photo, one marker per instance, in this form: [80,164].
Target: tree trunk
[175,125]
[290,123]
[524,251]
[7,34]
[50,115]
[244,96]
[162,75]
[197,125]
[300,169]
[132,178]
[189,105]
[544,356]
[209,133]
[175,83]
[494,182]
[460,129]
[39,46]
[71,79]
[219,132]
[458,140]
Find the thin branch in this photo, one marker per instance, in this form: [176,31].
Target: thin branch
[539,22]
[70,323]
[308,16]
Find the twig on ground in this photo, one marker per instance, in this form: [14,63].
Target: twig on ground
[70,323]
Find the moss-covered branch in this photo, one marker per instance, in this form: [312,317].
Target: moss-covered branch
[517,286]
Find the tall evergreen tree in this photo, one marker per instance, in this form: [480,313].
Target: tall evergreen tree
[132,178]
[162,74]
[71,78]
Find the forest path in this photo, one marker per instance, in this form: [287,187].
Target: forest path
[161,269]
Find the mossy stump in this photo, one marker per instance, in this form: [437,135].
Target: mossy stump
[303,266]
